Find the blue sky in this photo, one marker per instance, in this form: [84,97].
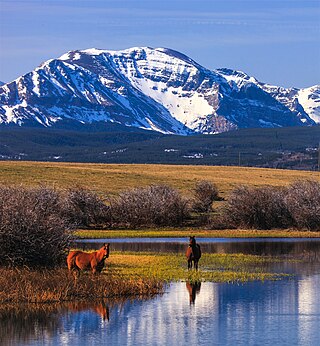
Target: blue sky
[276,41]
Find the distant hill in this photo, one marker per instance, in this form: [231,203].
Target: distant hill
[157,89]
[291,147]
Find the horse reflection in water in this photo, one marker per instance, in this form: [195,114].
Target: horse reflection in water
[99,308]
[193,289]
[79,260]
[193,253]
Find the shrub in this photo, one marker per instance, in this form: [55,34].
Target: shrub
[303,202]
[219,221]
[158,205]
[261,208]
[32,230]
[205,193]
[84,208]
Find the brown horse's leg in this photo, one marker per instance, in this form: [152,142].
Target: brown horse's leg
[76,273]
[94,266]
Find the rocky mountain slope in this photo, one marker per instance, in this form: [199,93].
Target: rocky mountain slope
[156,89]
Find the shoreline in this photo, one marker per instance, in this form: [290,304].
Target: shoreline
[199,233]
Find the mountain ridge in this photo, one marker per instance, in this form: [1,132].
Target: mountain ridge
[154,89]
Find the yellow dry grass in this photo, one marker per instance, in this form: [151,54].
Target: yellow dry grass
[113,178]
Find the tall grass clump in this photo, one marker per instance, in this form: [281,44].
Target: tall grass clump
[32,230]
[303,202]
[205,193]
[84,208]
[155,205]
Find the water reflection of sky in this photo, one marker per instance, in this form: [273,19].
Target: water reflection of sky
[272,313]
[285,312]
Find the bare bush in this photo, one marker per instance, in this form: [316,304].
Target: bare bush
[158,205]
[205,193]
[84,208]
[219,221]
[32,230]
[303,202]
[261,208]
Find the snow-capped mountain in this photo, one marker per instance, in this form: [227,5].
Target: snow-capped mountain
[157,89]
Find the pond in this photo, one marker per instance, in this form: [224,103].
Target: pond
[285,312]
[296,247]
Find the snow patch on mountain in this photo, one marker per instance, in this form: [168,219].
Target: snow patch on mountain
[309,98]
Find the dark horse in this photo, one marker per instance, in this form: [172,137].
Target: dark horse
[193,253]
[80,260]
[193,289]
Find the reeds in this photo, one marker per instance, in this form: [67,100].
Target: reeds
[58,285]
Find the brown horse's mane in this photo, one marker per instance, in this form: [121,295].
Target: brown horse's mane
[100,256]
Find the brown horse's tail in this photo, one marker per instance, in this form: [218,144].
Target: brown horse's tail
[71,259]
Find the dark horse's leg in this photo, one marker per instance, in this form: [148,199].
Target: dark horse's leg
[196,264]
[189,264]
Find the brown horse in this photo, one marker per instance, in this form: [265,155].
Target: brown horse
[193,253]
[99,308]
[79,260]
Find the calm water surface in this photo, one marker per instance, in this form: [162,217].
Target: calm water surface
[285,312]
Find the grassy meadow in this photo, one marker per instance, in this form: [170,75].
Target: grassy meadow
[173,267]
[114,178]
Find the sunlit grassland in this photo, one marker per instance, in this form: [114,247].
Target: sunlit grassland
[173,267]
[199,233]
[113,178]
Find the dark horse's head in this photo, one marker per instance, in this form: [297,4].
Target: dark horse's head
[192,241]
[105,250]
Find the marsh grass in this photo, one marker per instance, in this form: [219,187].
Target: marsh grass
[213,267]
[57,285]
